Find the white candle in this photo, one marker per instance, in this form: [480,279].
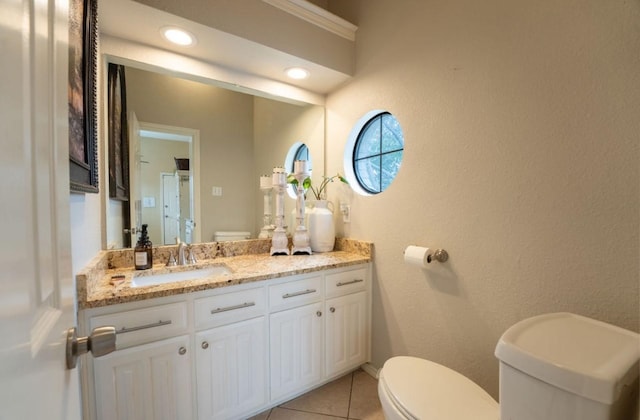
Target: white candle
[300,167]
[279,178]
[265,181]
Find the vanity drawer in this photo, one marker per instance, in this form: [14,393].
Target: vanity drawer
[346,282]
[145,325]
[229,307]
[295,293]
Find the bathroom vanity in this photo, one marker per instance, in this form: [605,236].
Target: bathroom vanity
[228,346]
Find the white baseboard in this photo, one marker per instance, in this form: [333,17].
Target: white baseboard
[370,369]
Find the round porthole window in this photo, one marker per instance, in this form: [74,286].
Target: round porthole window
[374,152]
[299,151]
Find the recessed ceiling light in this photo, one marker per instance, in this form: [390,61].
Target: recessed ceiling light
[178,36]
[297,73]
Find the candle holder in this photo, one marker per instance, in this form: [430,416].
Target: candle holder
[301,242]
[266,186]
[279,240]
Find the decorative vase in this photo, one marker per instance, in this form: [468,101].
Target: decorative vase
[322,230]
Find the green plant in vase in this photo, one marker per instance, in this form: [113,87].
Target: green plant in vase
[319,192]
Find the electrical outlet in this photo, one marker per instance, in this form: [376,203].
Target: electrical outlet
[345,209]
[216,191]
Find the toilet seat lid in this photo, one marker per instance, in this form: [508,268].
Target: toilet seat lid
[426,390]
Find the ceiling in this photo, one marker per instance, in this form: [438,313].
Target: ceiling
[141,24]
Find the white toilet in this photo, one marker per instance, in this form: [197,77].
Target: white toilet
[221,236]
[557,366]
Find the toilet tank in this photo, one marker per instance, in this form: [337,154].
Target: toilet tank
[563,366]
[230,236]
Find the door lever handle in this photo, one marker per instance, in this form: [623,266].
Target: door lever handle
[101,341]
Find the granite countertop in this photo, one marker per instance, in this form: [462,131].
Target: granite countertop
[102,284]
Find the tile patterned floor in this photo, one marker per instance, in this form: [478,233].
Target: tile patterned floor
[353,397]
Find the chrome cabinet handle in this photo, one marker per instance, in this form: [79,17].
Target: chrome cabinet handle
[182,351]
[349,282]
[231,308]
[125,330]
[304,292]
[101,341]
[205,345]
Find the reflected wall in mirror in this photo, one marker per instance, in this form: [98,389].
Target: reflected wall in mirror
[241,137]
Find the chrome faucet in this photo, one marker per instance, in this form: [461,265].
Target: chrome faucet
[182,260]
[191,260]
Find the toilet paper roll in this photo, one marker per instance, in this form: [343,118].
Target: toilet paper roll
[416,255]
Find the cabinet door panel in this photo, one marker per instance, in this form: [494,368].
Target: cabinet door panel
[296,344]
[347,332]
[231,369]
[152,381]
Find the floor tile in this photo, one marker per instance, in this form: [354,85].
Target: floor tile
[331,399]
[280,413]
[262,416]
[365,404]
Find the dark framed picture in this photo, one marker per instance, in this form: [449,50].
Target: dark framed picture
[83,123]
[118,133]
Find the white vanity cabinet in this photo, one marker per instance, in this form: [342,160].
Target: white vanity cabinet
[347,320]
[296,335]
[347,335]
[149,376]
[147,382]
[231,364]
[229,352]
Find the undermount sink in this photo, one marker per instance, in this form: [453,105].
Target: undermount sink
[141,280]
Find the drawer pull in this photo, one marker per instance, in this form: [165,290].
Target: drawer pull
[304,292]
[124,330]
[349,282]
[231,308]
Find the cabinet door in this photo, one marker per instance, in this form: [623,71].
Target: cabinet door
[231,365]
[347,332]
[151,382]
[296,344]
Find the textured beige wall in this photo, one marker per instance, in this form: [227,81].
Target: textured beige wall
[522,134]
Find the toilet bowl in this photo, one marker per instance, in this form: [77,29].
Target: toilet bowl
[557,366]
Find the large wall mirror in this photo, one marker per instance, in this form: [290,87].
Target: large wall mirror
[196,152]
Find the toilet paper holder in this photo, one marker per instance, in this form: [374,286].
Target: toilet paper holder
[439,255]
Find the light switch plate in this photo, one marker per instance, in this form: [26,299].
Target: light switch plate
[345,209]
[216,191]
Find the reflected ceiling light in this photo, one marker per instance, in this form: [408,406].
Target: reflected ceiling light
[297,73]
[178,36]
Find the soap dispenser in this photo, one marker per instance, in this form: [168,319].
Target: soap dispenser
[143,253]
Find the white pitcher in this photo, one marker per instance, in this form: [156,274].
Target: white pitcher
[322,229]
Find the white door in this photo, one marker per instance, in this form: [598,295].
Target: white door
[135,183]
[170,208]
[36,286]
